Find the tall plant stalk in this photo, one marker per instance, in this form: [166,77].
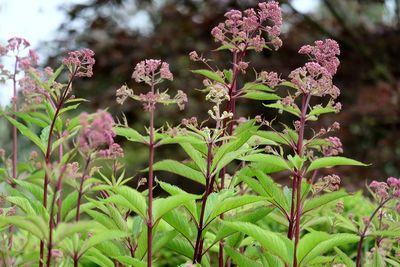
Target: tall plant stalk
[298,176]
[150,185]
[47,158]
[364,232]
[198,249]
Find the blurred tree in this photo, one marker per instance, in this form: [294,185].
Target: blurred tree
[123,32]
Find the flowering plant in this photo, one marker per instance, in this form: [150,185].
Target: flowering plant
[72,203]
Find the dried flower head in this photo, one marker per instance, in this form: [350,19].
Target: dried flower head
[333,148]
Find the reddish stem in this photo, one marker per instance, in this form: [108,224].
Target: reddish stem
[363,234]
[150,186]
[48,155]
[80,192]
[52,224]
[198,249]
[304,105]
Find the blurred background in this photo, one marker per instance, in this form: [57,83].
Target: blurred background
[123,32]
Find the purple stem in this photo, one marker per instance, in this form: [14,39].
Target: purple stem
[48,154]
[304,106]
[363,234]
[52,223]
[80,192]
[198,249]
[150,186]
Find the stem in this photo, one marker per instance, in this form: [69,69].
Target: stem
[298,176]
[15,144]
[51,223]
[150,186]
[48,154]
[209,185]
[291,220]
[363,234]
[80,193]
[14,132]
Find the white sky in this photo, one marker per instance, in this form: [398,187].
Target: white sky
[38,20]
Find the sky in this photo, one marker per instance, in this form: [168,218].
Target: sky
[38,20]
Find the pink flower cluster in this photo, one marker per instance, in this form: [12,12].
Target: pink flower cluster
[244,30]
[15,46]
[80,63]
[269,78]
[334,147]
[314,79]
[388,189]
[324,53]
[147,70]
[98,135]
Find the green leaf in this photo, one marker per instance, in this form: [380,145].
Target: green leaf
[210,75]
[95,256]
[196,156]
[290,109]
[319,201]
[126,260]
[240,259]
[267,159]
[326,245]
[179,222]
[317,110]
[33,224]
[258,95]
[68,203]
[328,162]
[232,203]
[65,230]
[272,189]
[345,259]
[100,237]
[164,205]
[22,203]
[270,241]
[180,169]
[257,86]
[136,200]
[181,246]
[130,134]
[27,133]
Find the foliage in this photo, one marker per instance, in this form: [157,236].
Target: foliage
[71,202]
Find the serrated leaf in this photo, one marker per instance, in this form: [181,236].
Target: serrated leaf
[270,241]
[27,133]
[290,109]
[267,159]
[130,261]
[164,205]
[259,95]
[232,203]
[328,162]
[257,86]
[319,201]
[210,75]
[324,246]
[65,230]
[180,169]
[345,258]
[130,134]
[240,259]
[136,200]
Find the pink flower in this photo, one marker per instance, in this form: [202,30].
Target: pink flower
[80,63]
[270,78]
[165,73]
[324,53]
[17,43]
[147,70]
[193,56]
[98,135]
[334,148]
[393,182]
[242,31]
